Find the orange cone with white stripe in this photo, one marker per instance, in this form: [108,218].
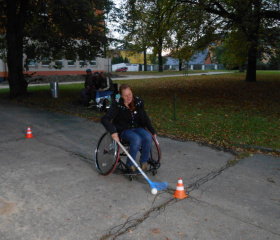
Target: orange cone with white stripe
[29,133]
[180,191]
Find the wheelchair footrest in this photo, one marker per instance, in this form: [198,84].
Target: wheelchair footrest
[152,167]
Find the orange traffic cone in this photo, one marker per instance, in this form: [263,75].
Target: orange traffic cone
[180,191]
[29,133]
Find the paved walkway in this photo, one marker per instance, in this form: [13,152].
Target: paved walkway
[128,77]
[50,189]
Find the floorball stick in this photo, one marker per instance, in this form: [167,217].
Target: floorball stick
[158,186]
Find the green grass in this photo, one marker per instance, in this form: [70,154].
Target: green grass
[221,110]
[169,72]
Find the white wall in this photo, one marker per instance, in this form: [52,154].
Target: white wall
[102,64]
[117,66]
[130,67]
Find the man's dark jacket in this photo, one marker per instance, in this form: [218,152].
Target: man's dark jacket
[121,117]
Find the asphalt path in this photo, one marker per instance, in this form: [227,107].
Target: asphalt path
[50,188]
[128,77]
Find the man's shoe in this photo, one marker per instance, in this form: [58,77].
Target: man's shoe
[132,169]
[144,166]
[90,107]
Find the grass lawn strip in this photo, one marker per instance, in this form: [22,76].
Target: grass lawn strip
[219,110]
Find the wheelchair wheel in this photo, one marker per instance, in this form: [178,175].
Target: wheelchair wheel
[155,155]
[106,154]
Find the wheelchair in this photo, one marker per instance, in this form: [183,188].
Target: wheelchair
[110,157]
[105,100]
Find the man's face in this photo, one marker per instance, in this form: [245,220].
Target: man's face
[88,73]
[127,95]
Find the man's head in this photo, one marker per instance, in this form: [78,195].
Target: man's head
[126,93]
[102,74]
[88,71]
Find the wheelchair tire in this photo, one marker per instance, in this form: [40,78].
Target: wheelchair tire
[106,154]
[155,155]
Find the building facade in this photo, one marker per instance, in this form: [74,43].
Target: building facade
[66,67]
[135,58]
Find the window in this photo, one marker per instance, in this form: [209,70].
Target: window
[82,63]
[58,62]
[46,61]
[32,63]
[93,62]
[71,63]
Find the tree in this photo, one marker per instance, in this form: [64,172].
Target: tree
[154,59]
[232,51]
[140,43]
[254,19]
[160,16]
[119,59]
[50,28]
[135,27]
[151,20]
[185,34]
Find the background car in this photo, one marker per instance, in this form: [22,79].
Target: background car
[123,69]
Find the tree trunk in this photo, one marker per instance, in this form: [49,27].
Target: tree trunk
[16,13]
[180,65]
[251,75]
[145,60]
[160,68]
[242,68]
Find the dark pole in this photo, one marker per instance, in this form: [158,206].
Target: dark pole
[175,107]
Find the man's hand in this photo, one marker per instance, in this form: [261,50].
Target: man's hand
[115,137]
[100,90]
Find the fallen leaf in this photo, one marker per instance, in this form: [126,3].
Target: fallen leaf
[155,231]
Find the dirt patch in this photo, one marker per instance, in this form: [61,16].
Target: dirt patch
[6,208]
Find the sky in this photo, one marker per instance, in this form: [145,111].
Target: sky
[111,26]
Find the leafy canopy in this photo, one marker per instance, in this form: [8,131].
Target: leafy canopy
[60,28]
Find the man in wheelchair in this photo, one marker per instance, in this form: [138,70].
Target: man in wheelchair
[88,92]
[105,85]
[128,120]
[104,89]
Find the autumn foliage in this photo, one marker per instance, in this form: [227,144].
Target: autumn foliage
[219,110]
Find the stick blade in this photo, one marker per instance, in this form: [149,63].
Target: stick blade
[159,186]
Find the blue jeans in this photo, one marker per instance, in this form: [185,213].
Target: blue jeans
[138,137]
[103,94]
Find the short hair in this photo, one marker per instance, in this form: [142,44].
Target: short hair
[123,87]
